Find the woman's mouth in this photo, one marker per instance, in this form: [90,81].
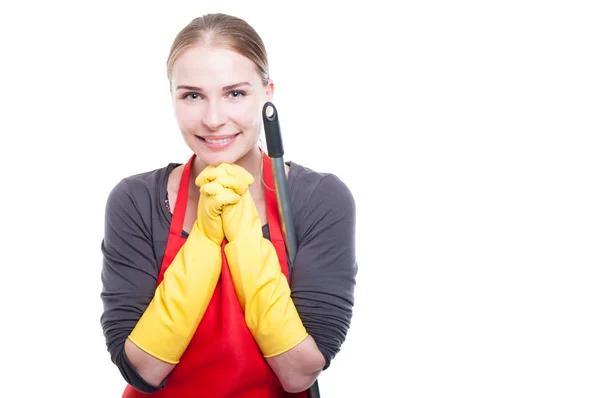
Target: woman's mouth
[218,141]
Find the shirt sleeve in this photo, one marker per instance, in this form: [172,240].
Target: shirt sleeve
[325,269]
[128,276]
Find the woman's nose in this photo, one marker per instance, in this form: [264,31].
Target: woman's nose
[214,116]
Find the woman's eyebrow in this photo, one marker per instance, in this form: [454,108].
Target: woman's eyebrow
[226,88]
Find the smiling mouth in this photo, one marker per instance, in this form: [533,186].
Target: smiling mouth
[220,140]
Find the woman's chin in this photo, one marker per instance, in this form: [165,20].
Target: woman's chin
[214,158]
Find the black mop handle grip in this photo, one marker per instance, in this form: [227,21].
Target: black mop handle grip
[272,131]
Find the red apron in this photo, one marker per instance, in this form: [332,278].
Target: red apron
[222,359]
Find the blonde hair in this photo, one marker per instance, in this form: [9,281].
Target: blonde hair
[222,30]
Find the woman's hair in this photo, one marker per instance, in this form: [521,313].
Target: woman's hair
[222,30]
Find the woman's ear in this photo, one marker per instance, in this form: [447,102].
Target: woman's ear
[172,93]
[269,90]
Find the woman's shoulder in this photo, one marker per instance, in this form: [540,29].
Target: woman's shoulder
[141,189]
[309,182]
[315,193]
[150,178]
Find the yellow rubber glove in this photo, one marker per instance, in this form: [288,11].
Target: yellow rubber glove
[180,301]
[261,287]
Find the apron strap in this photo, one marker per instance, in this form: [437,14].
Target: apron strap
[176,229]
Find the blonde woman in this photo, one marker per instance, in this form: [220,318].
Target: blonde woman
[197,299]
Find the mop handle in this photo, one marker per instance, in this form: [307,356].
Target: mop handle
[275,151]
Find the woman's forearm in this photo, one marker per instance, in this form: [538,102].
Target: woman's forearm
[151,369]
[298,368]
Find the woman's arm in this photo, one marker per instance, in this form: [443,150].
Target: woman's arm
[165,326]
[326,251]
[323,281]
[298,368]
[129,276]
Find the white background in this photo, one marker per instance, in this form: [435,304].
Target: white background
[467,131]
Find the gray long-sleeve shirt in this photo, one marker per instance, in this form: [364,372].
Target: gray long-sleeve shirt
[323,279]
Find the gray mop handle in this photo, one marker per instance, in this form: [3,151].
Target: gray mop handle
[275,151]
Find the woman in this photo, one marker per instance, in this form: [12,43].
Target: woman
[197,300]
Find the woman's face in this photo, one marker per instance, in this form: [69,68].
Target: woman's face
[218,98]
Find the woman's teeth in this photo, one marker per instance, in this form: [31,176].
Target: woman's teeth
[220,141]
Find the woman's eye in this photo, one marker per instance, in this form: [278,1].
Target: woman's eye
[192,96]
[237,94]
